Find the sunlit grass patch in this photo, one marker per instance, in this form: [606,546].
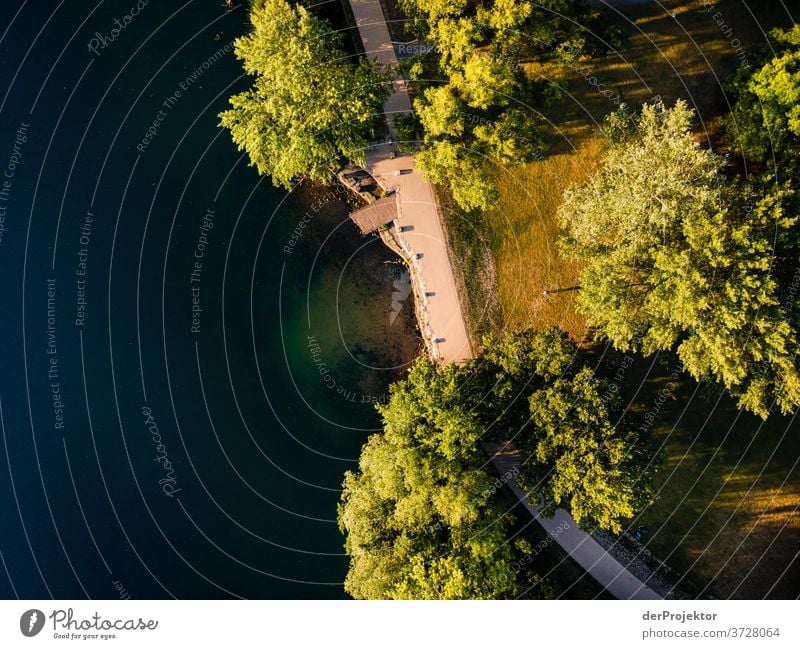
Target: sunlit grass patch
[523,233]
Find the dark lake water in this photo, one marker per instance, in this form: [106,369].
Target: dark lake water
[190,356]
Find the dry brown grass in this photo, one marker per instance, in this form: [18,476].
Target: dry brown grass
[523,234]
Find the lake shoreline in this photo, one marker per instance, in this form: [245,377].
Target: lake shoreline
[365,287]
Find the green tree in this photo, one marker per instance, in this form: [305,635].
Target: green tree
[484,109]
[579,452]
[765,119]
[677,257]
[441,114]
[581,456]
[443,162]
[484,82]
[504,139]
[309,107]
[480,113]
[512,368]
[419,515]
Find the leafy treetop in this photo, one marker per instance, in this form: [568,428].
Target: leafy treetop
[421,515]
[309,106]
[678,257]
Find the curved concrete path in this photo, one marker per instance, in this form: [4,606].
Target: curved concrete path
[419,229]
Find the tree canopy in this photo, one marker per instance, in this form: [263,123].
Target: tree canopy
[678,257]
[421,515]
[309,106]
[765,121]
[579,451]
[418,519]
[484,107]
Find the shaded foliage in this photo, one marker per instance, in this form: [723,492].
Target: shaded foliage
[422,516]
[764,123]
[579,452]
[485,108]
[419,517]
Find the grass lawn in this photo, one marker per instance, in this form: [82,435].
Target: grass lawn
[727,509]
[522,234]
[726,513]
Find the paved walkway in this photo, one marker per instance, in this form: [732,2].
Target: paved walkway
[378,45]
[587,552]
[419,227]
